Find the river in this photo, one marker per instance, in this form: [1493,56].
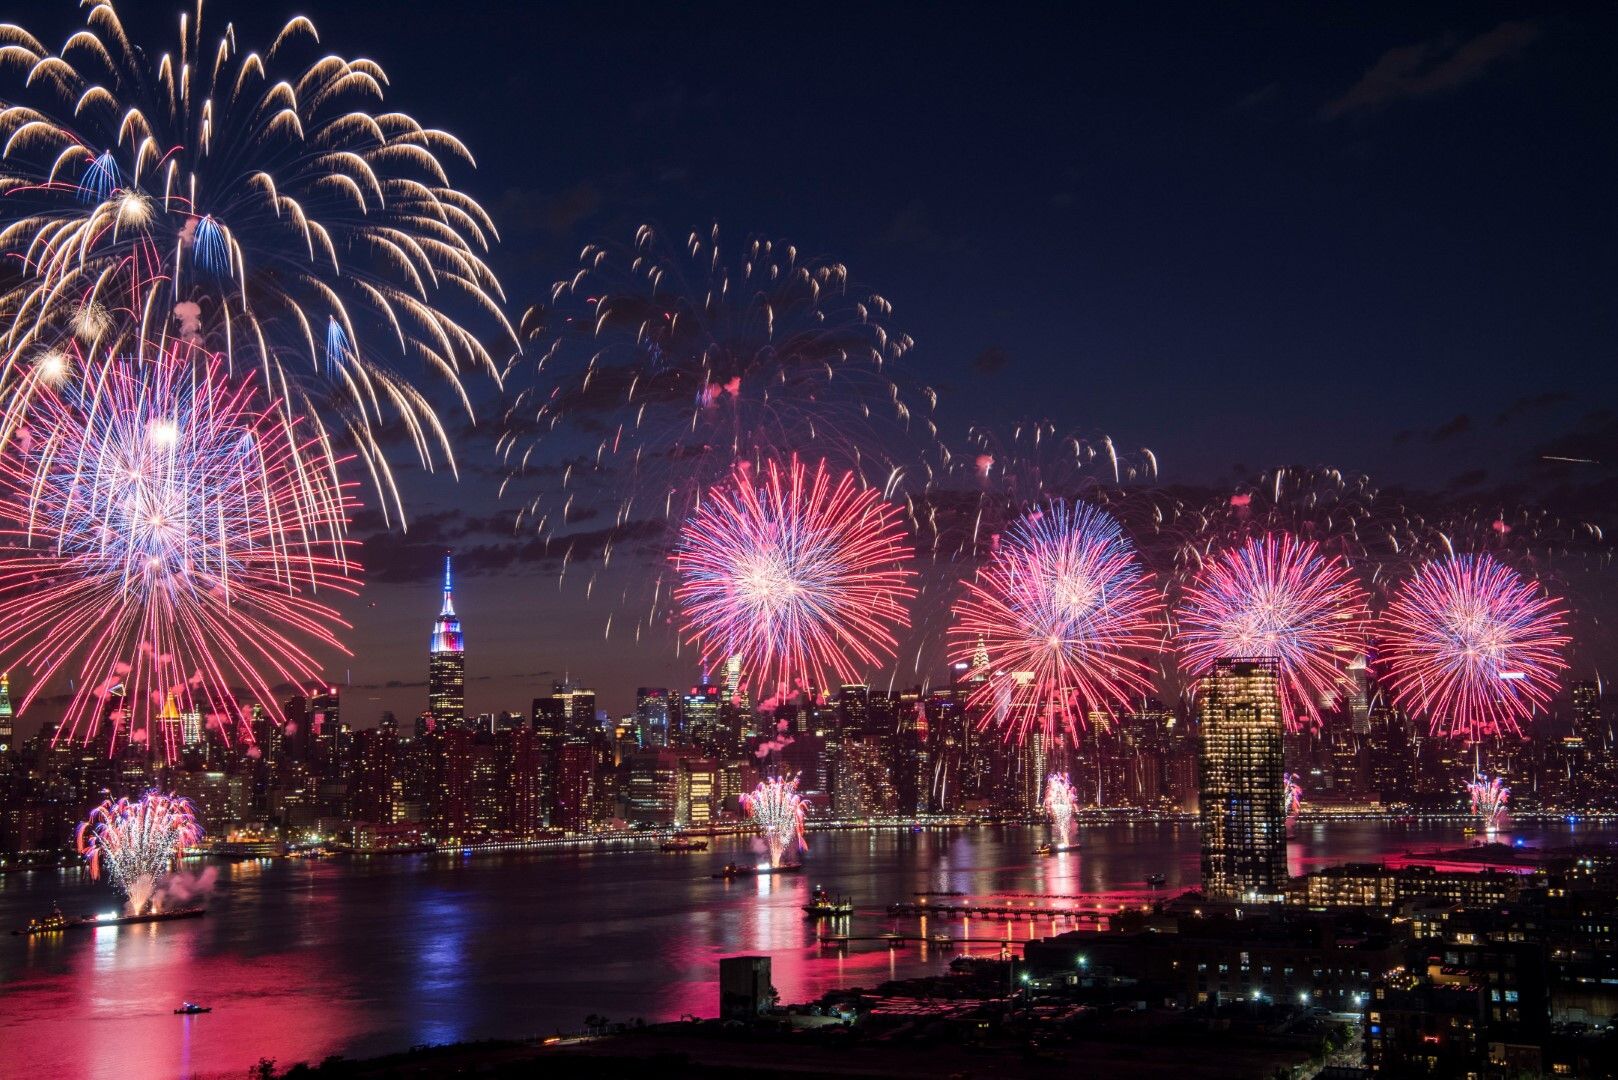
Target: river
[301,959]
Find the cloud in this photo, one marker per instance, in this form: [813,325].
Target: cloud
[486,546]
[990,360]
[1528,404]
[1433,67]
[1449,429]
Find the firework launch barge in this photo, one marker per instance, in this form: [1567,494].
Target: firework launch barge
[56,922]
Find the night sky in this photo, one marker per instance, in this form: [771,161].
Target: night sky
[1377,237]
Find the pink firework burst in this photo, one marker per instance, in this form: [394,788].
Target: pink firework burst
[1472,646]
[1277,597]
[1063,611]
[161,541]
[777,809]
[798,572]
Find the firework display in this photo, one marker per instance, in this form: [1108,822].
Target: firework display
[164,538]
[799,572]
[1064,612]
[1061,804]
[260,203]
[1488,796]
[136,843]
[1294,795]
[674,363]
[777,809]
[1277,597]
[1472,647]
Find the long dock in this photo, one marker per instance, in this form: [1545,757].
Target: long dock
[999,911]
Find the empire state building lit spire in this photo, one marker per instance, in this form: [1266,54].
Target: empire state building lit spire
[446,663]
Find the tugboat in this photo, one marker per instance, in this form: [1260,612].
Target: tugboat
[1055,849]
[823,905]
[683,843]
[53,923]
[188,1008]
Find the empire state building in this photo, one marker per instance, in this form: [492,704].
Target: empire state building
[446,664]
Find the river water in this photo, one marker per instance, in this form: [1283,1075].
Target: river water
[303,959]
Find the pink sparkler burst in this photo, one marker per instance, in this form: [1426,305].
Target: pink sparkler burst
[1065,612]
[1277,597]
[777,808]
[800,573]
[136,843]
[1472,646]
[1061,803]
[162,539]
[1489,796]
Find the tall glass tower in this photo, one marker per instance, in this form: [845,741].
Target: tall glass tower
[446,664]
[1244,820]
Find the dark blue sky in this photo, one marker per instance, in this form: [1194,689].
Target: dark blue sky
[1378,237]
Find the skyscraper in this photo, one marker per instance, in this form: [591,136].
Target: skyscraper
[446,664]
[1244,844]
[652,714]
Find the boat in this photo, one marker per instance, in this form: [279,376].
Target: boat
[56,922]
[735,870]
[683,843]
[823,905]
[190,1009]
[1156,881]
[1055,849]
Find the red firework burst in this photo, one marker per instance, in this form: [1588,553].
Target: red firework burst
[798,572]
[1055,625]
[1277,597]
[163,538]
[1471,646]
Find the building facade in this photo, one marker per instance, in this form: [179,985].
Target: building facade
[446,664]
[1243,804]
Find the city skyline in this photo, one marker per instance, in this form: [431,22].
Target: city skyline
[706,538]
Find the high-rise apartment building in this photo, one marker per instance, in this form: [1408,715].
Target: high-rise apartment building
[446,663]
[1243,809]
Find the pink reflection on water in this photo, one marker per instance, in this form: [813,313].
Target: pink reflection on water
[111,1014]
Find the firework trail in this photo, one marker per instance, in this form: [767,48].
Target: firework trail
[800,573]
[1061,803]
[260,203]
[1294,795]
[1489,796]
[1277,597]
[136,843]
[1063,610]
[655,370]
[1471,646]
[777,809]
[161,537]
